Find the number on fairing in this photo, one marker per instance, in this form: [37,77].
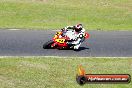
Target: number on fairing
[60,40]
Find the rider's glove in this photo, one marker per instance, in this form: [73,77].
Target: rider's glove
[62,29]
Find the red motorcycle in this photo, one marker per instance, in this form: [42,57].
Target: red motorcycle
[61,42]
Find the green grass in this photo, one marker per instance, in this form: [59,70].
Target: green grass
[57,72]
[55,14]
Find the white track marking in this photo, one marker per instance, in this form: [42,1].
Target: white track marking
[14,29]
[61,57]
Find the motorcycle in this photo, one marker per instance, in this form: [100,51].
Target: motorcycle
[61,42]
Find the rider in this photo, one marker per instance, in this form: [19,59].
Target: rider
[78,36]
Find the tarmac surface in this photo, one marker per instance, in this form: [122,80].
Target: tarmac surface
[100,44]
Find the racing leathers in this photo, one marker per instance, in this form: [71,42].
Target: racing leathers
[76,37]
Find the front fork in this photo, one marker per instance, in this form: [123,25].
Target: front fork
[53,45]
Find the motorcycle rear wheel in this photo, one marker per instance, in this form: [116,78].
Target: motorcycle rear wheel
[48,44]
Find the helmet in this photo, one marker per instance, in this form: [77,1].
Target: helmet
[78,27]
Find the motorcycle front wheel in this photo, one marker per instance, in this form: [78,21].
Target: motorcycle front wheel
[48,44]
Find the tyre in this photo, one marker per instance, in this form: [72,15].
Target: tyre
[48,44]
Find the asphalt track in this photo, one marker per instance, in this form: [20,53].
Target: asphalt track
[100,44]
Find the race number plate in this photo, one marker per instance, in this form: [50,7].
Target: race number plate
[60,40]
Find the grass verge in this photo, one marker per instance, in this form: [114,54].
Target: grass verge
[57,72]
[55,14]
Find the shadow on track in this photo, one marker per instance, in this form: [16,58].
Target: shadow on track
[80,49]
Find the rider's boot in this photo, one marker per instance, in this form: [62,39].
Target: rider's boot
[76,47]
